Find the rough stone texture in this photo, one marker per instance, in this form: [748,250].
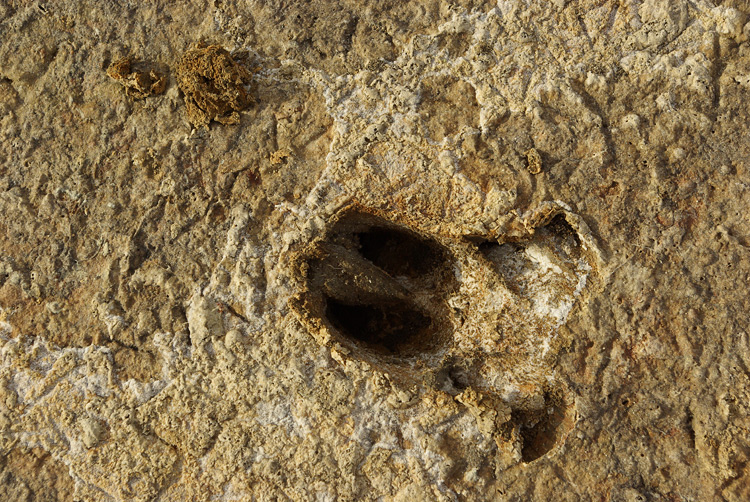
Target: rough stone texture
[454,251]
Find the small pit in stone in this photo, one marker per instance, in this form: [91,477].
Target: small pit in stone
[557,233]
[550,259]
[543,430]
[386,329]
[453,378]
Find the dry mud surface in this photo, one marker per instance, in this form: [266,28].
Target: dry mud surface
[354,250]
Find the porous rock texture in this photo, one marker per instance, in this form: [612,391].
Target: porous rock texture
[450,250]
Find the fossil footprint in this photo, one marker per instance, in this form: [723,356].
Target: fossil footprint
[379,289]
[475,318]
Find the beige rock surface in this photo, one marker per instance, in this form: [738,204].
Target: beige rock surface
[460,250]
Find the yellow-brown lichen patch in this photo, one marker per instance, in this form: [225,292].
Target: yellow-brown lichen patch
[533,161]
[138,84]
[213,85]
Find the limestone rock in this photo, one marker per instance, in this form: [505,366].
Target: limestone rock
[435,250]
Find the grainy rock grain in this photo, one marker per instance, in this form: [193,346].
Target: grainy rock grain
[455,250]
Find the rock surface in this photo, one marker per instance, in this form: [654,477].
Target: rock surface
[459,250]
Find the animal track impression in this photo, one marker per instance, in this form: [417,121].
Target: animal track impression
[475,319]
[381,287]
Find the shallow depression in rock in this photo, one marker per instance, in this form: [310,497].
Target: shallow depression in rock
[380,287]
